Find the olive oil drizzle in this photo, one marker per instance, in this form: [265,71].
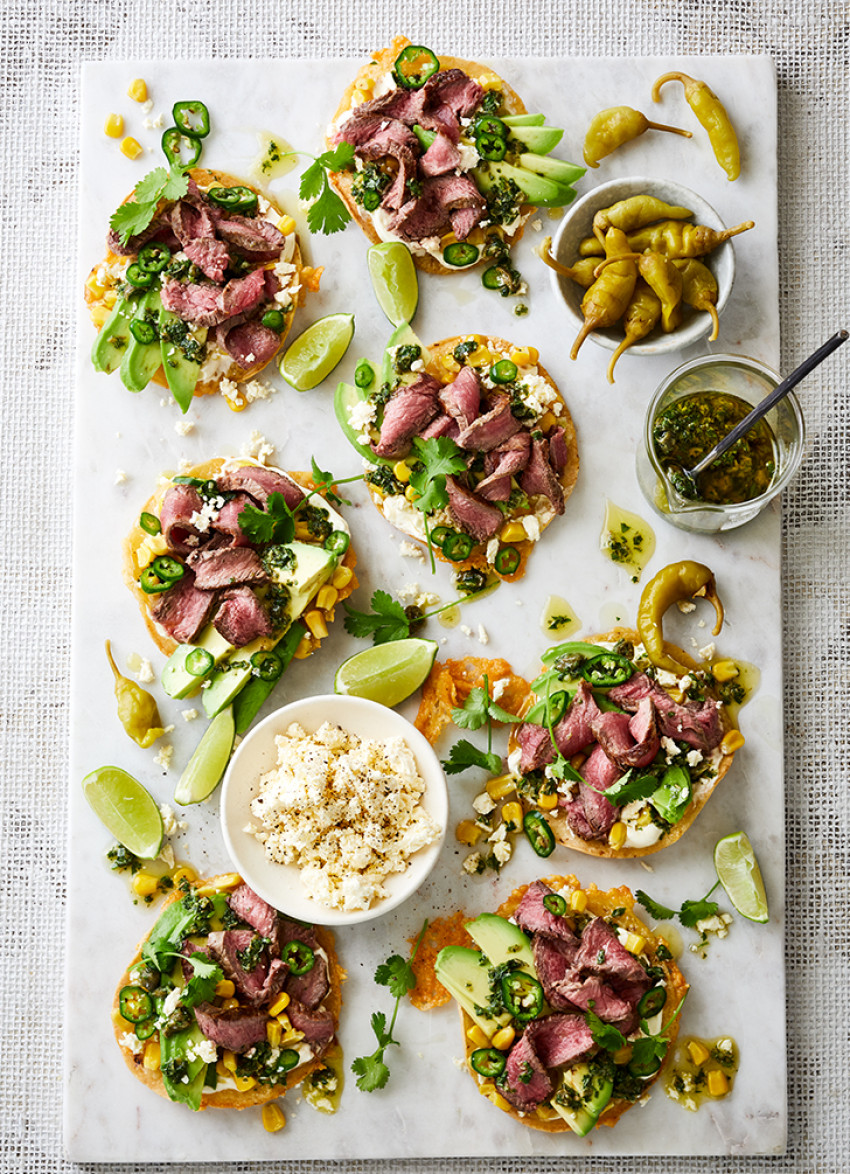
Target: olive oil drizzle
[689,1083]
[627,539]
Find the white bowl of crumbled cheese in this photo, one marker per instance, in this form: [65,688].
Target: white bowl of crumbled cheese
[334,809]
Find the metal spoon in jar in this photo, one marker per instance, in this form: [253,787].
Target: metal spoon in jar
[688,477]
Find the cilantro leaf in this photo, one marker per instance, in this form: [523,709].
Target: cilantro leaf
[324,483]
[501,715]
[473,715]
[312,181]
[176,185]
[273,524]
[327,212]
[388,622]
[464,755]
[627,789]
[440,456]
[371,1071]
[561,769]
[694,911]
[604,1034]
[206,977]
[647,1050]
[131,218]
[339,159]
[149,189]
[135,215]
[659,912]
[397,974]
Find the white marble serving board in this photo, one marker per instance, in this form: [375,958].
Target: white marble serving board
[430,1107]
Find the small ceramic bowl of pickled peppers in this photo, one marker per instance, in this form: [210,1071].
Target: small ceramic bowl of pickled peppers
[642,266]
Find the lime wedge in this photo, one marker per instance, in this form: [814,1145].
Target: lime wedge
[738,871]
[315,353]
[394,280]
[206,766]
[126,809]
[386,673]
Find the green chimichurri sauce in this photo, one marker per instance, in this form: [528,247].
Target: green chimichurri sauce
[686,430]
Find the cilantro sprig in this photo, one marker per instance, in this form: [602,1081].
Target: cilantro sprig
[478,708]
[690,912]
[327,212]
[372,1071]
[389,620]
[648,1051]
[206,975]
[276,523]
[439,457]
[135,215]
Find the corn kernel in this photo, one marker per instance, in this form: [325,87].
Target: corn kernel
[496,1098]
[305,648]
[468,832]
[286,224]
[724,670]
[544,1114]
[489,80]
[110,297]
[486,1087]
[521,356]
[358,98]
[401,472]
[578,900]
[365,83]
[185,872]
[315,621]
[410,493]
[500,786]
[225,989]
[533,353]
[341,577]
[635,943]
[617,834]
[229,1061]
[98,315]
[476,1036]
[138,90]
[503,1038]
[512,813]
[732,741]
[513,532]
[327,597]
[92,284]
[547,800]
[114,126]
[229,1004]
[480,357]
[698,1052]
[243,1083]
[547,420]
[279,1005]
[718,1085]
[273,1118]
[152,1055]
[227,880]
[450,363]
[273,1033]
[236,403]
[144,884]
[622,1055]
[131,147]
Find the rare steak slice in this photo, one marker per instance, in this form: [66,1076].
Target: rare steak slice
[237,1029]
[252,909]
[183,610]
[181,504]
[475,517]
[240,617]
[229,567]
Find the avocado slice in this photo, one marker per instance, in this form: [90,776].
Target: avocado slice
[249,700]
[539,190]
[181,372]
[501,940]
[465,975]
[346,396]
[313,566]
[583,1094]
[110,346]
[401,336]
[558,170]
[539,139]
[177,681]
[524,119]
[142,360]
[426,137]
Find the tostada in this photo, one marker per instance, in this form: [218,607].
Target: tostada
[237,567]
[446,158]
[206,292]
[569,1005]
[227,1003]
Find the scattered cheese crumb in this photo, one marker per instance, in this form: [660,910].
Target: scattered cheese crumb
[183,427]
[483,637]
[492,550]
[483,804]
[155,123]
[693,758]
[120,477]
[258,447]
[646,867]
[518,602]
[164,755]
[465,628]
[686,606]
[411,550]
[670,747]
[189,715]
[498,688]
[472,863]
[502,851]
[132,1042]
[171,825]
[708,652]
[144,672]
[537,225]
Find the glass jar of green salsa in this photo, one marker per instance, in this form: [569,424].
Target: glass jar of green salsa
[696,406]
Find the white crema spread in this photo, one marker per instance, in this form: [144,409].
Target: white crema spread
[345,810]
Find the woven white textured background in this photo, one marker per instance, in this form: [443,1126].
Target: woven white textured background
[41,46]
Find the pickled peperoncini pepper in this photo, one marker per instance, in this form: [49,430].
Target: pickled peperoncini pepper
[674,239]
[612,128]
[640,319]
[581,273]
[636,212]
[664,279]
[137,709]
[673,584]
[712,116]
[699,289]
[604,303]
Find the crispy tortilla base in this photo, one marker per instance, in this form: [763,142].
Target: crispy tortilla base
[568,477]
[601,904]
[230,1098]
[137,535]
[381,63]
[558,822]
[235,373]
[449,683]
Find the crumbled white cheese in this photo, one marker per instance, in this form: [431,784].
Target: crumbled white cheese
[189,715]
[417,365]
[203,518]
[483,636]
[361,415]
[255,389]
[184,466]
[492,550]
[693,757]
[170,1002]
[183,426]
[536,225]
[685,606]
[669,747]
[472,863]
[514,760]
[483,804]
[411,550]
[171,825]
[155,123]
[258,447]
[408,592]
[502,851]
[132,1042]
[204,1050]
[666,678]
[164,755]
[346,810]
[468,157]
[166,854]
[120,477]
[465,628]
[707,652]
[144,672]
[499,687]
[531,525]
[229,389]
